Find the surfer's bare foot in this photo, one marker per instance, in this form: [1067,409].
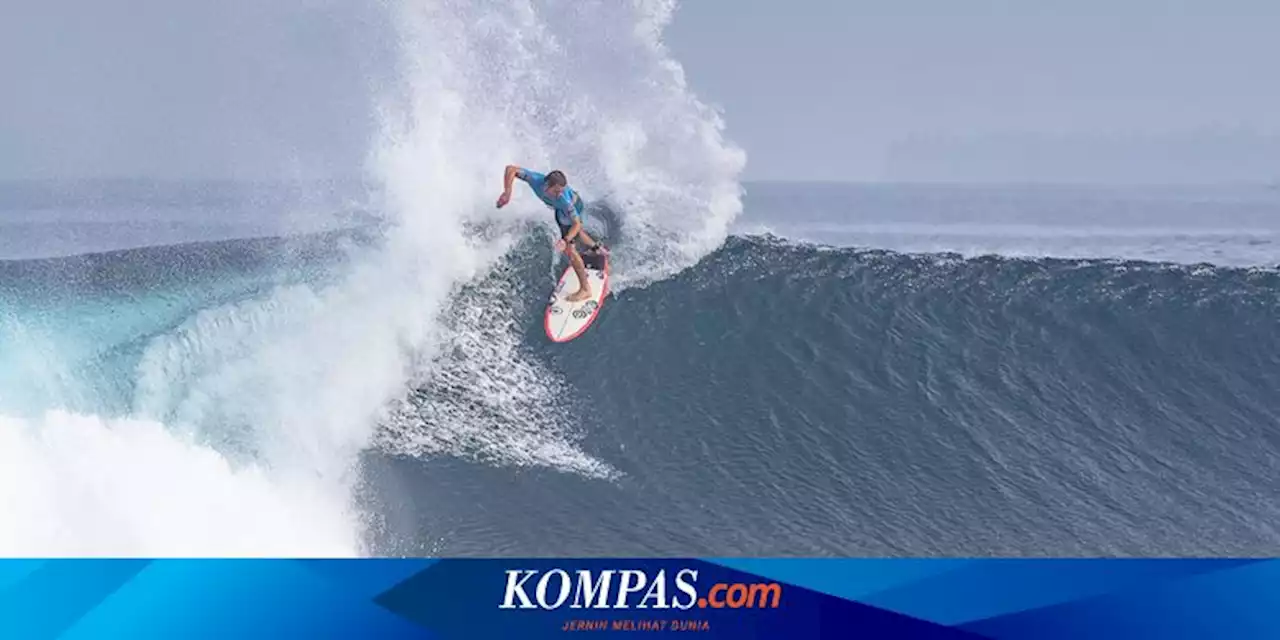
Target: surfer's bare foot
[579,295]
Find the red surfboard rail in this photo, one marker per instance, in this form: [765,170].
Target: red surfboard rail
[546,321]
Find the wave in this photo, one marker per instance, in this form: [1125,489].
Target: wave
[219,399]
[1088,374]
[835,401]
[264,382]
[1060,342]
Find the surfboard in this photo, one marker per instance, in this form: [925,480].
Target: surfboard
[567,320]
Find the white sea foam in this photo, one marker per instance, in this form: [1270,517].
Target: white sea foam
[246,420]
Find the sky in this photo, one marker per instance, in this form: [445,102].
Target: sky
[1073,90]
[1145,91]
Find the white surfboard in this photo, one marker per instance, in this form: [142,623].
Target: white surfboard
[567,320]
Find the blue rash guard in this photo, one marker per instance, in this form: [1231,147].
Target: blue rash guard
[568,206]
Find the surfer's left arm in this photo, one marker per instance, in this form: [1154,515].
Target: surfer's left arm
[573,230]
[571,208]
[563,244]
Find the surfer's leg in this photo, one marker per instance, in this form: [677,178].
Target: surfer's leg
[579,269]
[584,285]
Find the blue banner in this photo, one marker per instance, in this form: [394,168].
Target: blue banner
[704,598]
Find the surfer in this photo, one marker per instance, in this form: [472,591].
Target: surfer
[554,190]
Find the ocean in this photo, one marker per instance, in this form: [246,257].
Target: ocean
[856,370]
[301,367]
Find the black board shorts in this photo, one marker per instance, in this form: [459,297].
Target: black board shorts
[591,258]
[564,229]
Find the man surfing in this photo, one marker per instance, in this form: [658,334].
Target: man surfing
[554,191]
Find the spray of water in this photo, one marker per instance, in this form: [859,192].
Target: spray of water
[247,419]
[586,87]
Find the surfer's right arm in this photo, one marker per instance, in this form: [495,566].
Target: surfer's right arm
[508,176]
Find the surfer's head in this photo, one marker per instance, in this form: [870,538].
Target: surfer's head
[556,183]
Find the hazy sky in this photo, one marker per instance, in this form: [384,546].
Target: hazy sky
[1139,90]
[1085,89]
[177,88]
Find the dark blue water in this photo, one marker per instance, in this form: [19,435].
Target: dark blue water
[784,399]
